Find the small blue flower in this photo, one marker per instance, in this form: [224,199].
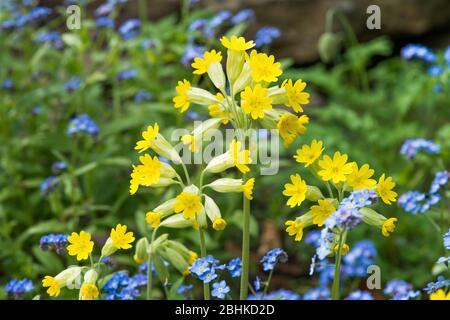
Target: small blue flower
[16,289]
[203,26]
[266,35]
[104,9]
[360,295]
[219,18]
[440,179]
[243,15]
[58,167]
[148,44]
[82,123]
[313,238]
[435,70]
[443,260]
[413,202]
[209,275]
[234,267]
[130,29]
[272,257]
[220,289]
[128,294]
[257,284]
[73,84]
[317,294]
[48,185]
[359,258]
[104,22]
[8,84]
[52,37]
[54,242]
[127,74]
[192,51]
[142,95]
[185,290]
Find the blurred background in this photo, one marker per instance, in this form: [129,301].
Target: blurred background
[73,104]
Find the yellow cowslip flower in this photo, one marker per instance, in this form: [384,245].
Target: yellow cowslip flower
[295,96]
[153,219]
[192,257]
[240,158]
[149,136]
[322,211]
[182,99]
[247,188]
[202,64]
[345,249]
[335,169]
[121,239]
[80,245]
[54,286]
[255,101]
[309,154]
[264,67]
[384,189]
[145,174]
[290,127]
[89,291]
[189,204]
[295,228]
[388,226]
[218,111]
[219,224]
[236,44]
[189,140]
[439,295]
[295,190]
[360,178]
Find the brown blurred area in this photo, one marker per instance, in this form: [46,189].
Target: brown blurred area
[303,21]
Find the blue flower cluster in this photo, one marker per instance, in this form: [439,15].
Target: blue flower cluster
[205,268]
[234,267]
[413,146]
[272,257]
[322,293]
[360,295]
[123,287]
[35,15]
[54,242]
[266,35]
[51,37]
[192,51]
[83,123]
[412,51]
[245,15]
[361,256]
[16,289]
[400,290]
[419,202]
[440,283]
[280,294]
[347,215]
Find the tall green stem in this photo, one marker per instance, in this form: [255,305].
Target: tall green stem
[337,267]
[149,267]
[206,292]
[245,246]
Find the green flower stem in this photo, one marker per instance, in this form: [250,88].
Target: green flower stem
[245,246]
[188,179]
[267,284]
[149,267]
[337,267]
[206,292]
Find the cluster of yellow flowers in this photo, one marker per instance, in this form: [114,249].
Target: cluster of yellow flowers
[191,207]
[81,246]
[343,176]
[251,76]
